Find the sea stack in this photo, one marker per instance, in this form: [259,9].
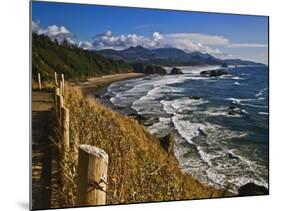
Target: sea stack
[176,71]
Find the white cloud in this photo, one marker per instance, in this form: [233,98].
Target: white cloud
[203,39]
[247,45]
[111,41]
[35,26]
[186,41]
[85,45]
[195,42]
[157,36]
[54,32]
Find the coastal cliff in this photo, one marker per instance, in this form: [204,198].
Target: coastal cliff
[141,167]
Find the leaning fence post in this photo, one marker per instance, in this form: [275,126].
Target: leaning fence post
[92,176]
[56,79]
[39,81]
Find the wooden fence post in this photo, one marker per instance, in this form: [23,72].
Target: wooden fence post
[65,128]
[61,88]
[59,101]
[65,144]
[39,81]
[57,92]
[92,176]
[56,79]
[62,81]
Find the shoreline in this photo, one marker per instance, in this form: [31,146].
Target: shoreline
[97,86]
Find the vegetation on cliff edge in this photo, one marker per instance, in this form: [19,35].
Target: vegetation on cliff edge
[75,63]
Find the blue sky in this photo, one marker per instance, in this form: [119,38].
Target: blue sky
[99,27]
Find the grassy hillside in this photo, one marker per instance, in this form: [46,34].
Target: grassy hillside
[49,56]
[139,168]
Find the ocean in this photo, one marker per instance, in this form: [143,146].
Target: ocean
[220,124]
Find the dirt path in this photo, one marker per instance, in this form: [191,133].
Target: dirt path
[42,154]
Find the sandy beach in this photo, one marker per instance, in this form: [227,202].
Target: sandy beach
[98,85]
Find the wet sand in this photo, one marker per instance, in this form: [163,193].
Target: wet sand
[97,86]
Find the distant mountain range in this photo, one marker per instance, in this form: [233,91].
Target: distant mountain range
[168,57]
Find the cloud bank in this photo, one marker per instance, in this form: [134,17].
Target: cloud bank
[189,42]
[54,32]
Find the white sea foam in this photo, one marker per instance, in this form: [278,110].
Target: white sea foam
[143,95]
[217,133]
[186,101]
[215,113]
[167,106]
[139,92]
[239,100]
[213,160]
[197,78]
[215,178]
[234,100]
[237,83]
[205,156]
[254,106]
[237,78]
[181,104]
[261,92]
[253,170]
[187,129]
[216,173]
[244,111]
[226,76]
[219,112]
[161,126]
[263,113]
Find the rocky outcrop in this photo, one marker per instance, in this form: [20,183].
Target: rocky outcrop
[251,189]
[194,97]
[149,69]
[176,71]
[224,64]
[232,113]
[144,120]
[232,157]
[205,73]
[214,73]
[154,69]
[168,142]
[233,110]
[202,132]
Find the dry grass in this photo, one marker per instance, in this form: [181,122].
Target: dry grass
[46,85]
[139,168]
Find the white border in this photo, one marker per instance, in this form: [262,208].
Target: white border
[14,112]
